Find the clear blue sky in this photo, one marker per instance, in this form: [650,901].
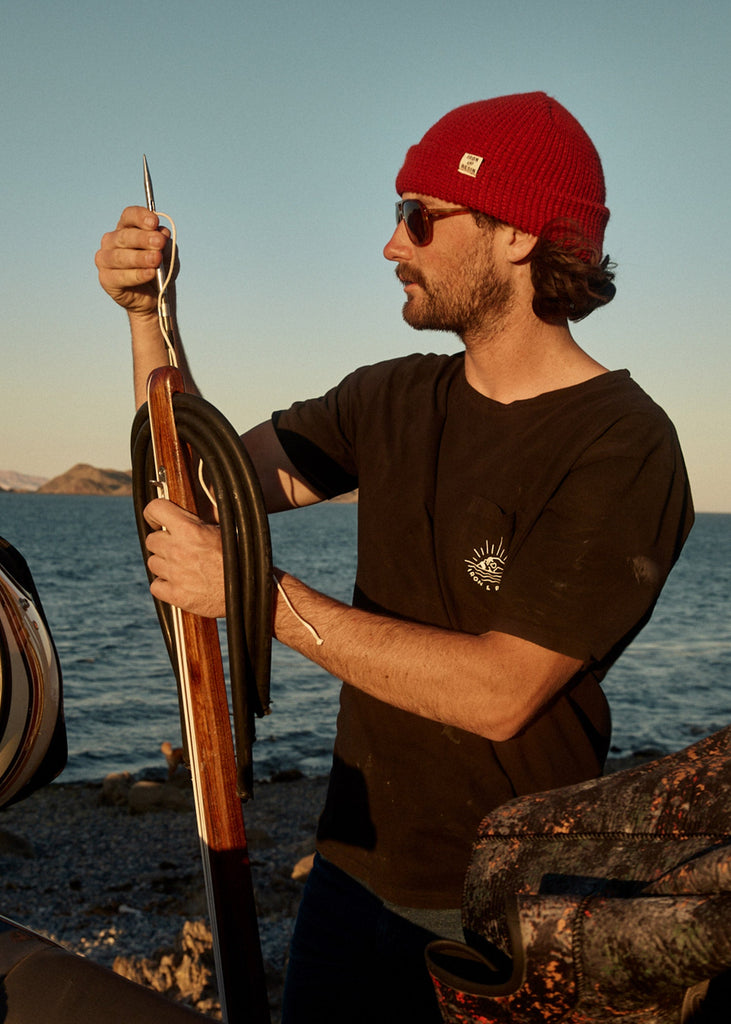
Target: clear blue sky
[274,132]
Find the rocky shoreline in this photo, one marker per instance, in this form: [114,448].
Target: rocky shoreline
[112,871]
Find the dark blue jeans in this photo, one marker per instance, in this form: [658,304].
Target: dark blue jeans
[353,961]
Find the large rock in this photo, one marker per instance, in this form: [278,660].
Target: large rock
[158,796]
[186,973]
[115,789]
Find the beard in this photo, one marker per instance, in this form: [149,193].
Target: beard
[472,299]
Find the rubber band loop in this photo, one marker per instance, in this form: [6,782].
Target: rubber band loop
[310,628]
[169,344]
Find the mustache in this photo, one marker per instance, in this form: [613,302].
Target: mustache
[404,274]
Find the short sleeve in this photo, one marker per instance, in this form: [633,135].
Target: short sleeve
[589,572]
[315,436]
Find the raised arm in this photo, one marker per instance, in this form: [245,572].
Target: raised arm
[127,261]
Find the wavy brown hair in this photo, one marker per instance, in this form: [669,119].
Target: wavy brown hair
[570,277]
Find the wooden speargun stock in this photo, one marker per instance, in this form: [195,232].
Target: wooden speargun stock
[194,647]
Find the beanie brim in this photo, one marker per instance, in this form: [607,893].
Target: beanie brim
[521,159]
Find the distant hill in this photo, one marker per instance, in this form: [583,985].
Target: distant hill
[12,481]
[83,479]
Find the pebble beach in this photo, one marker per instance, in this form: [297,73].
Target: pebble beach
[112,871]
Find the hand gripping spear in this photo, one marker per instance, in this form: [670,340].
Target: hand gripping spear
[163,433]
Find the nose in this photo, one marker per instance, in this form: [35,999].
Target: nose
[399,247]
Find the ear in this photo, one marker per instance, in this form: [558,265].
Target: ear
[519,245]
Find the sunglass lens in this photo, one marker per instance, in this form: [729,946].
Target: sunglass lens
[415,217]
[415,221]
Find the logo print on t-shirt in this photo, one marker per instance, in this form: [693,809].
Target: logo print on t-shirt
[488,565]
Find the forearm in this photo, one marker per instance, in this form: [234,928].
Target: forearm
[491,684]
[149,351]
[128,262]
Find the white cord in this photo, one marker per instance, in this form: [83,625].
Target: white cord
[169,344]
[206,489]
[310,629]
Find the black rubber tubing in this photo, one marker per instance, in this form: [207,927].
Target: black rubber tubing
[247,557]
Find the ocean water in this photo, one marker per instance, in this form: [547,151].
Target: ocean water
[670,688]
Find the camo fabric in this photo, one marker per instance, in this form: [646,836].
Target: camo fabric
[607,900]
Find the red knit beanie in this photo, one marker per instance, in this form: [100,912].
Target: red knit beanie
[522,159]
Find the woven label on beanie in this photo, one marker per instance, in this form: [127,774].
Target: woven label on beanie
[470,165]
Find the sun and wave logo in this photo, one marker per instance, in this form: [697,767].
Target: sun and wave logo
[488,565]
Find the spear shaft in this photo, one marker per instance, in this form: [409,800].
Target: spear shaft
[224,851]
[204,704]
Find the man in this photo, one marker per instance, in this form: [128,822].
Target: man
[520,507]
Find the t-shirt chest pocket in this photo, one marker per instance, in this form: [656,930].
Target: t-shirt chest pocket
[473,540]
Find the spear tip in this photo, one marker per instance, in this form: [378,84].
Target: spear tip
[148,184]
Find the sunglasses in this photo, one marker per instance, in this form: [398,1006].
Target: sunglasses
[419,219]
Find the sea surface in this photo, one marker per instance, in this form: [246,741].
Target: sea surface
[672,687]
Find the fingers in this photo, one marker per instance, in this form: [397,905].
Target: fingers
[138,217]
[138,240]
[163,514]
[129,257]
[185,557]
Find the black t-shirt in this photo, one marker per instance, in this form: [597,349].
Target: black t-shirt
[555,519]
